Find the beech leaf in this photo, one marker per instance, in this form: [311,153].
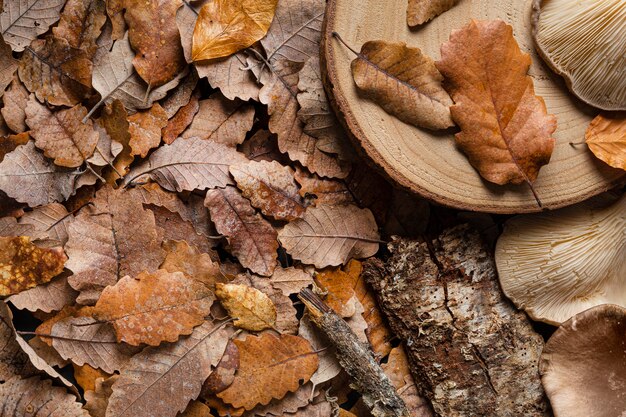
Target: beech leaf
[269,367]
[251,238]
[160,381]
[251,309]
[189,164]
[331,235]
[270,187]
[22,397]
[225,27]
[404,82]
[421,11]
[62,135]
[154,308]
[21,21]
[28,177]
[505,128]
[145,130]
[606,137]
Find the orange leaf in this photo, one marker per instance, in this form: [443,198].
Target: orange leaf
[505,128]
[269,367]
[606,137]
[145,130]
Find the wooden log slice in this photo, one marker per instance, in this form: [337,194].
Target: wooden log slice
[428,162]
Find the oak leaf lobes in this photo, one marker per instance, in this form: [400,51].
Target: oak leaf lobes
[251,309]
[505,128]
[225,27]
[606,137]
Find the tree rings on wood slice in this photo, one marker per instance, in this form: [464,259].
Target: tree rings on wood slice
[429,163]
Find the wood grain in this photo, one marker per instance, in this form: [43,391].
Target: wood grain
[429,163]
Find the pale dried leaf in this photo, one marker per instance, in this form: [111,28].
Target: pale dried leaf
[145,130]
[181,257]
[81,23]
[154,308]
[162,380]
[62,135]
[22,21]
[15,100]
[231,77]
[98,399]
[251,309]
[10,227]
[403,81]
[8,65]
[23,397]
[606,138]
[50,222]
[331,235]
[106,149]
[505,128]
[290,280]
[181,95]
[421,11]
[56,72]
[270,367]
[251,238]
[221,120]
[189,164]
[320,409]
[49,297]
[112,238]
[271,188]
[83,340]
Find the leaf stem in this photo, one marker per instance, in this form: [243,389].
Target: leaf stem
[340,39]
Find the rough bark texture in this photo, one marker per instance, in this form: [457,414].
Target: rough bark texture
[355,357]
[471,352]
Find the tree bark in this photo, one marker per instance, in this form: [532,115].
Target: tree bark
[471,352]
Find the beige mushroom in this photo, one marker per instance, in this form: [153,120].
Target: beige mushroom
[583,365]
[557,264]
[585,42]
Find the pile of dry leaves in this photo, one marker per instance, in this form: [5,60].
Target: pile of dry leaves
[160,212]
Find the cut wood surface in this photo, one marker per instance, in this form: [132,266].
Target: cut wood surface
[430,163]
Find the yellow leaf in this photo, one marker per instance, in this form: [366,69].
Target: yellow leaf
[251,309]
[226,26]
[606,137]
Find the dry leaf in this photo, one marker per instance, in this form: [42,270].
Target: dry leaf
[15,100]
[106,150]
[180,96]
[56,72]
[262,146]
[10,143]
[329,366]
[86,376]
[292,402]
[22,21]
[112,238]
[606,137]
[251,238]
[81,23]
[50,223]
[10,227]
[181,120]
[398,370]
[173,227]
[421,11]
[160,381]
[13,361]
[62,135]
[23,397]
[404,82]
[154,36]
[505,128]
[196,409]
[338,285]
[114,120]
[8,65]
[331,235]
[221,121]
[24,265]
[269,367]
[145,130]
[181,257]
[270,187]
[323,190]
[98,399]
[83,340]
[225,27]
[49,297]
[224,373]
[154,308]
[251,309]
[189,164]
[290,280]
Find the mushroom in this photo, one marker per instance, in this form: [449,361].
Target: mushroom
[557,264]
[585,42]
[583,365]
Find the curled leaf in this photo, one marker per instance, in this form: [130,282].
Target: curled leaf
[606,137]
[421,11]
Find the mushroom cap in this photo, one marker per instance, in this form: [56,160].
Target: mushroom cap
[554,265]
[585,42]
[583,365]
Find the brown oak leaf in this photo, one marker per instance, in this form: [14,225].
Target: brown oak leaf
[322,190]
[24,396]
[154,308]
[15,100]
[505,128]
[181,120]
[269,367]
[50,223]
[421,11]
[56,72]
[114,120]
[338,284]
[81,23]
[606,137]
[145,130]
[224,373]
[62,135]
[22,21]
[23,265]
[180,96]
[251,238]
[331,235]
[251,309]
[271,188]
[8,65]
